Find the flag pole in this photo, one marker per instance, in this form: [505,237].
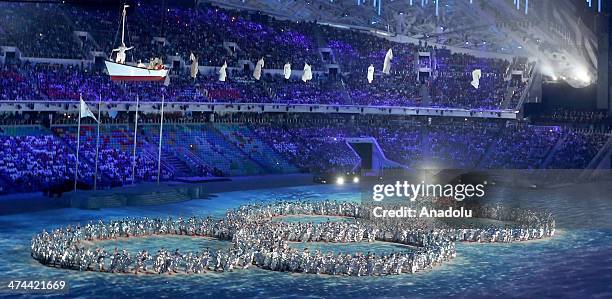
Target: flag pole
[97,144]
[76,169]
[135,135]
[159,150]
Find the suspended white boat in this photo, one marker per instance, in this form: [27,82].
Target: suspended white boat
[125,72]
[119,71]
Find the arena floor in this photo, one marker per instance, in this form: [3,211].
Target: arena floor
[575,263]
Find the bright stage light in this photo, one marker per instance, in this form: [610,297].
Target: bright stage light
[340,181]
[586,79]
[583,75]
[355,180]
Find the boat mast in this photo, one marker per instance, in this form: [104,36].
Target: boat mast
[123,23]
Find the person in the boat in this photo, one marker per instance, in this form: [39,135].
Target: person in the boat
[121,53]
[159,65]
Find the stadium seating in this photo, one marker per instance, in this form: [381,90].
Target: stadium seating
[38,157]
[216,35]
[34,158]
[242,137]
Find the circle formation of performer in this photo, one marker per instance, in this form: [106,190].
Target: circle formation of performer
[258,240]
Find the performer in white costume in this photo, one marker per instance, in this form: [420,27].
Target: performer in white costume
[120,58]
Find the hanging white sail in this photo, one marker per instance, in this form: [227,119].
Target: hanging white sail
[307,75]
[258,68]
[370,73]
[194,66]
[223,72]
[387,62]
[287,70]
[476,74]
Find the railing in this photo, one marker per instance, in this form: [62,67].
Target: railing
[151,107]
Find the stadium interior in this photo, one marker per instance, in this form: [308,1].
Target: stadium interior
[424,114]
[108,104]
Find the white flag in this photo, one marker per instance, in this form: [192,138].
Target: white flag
[476,74]
[223,72]
[258,68]
[85,111]
[387,63]
[194,66]
[287,70]
[370,73]
[307,76]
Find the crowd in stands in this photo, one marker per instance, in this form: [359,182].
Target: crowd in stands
[35,162]
[452,84]
[35,158]
[217,35]
[575,116]
[115,154]
[526,147]
[400,142]
[15,84]
[397,89]
[314,149]
[461,144]
[178,31]
[39,158]
[55,82]
[578,149]
[38,30]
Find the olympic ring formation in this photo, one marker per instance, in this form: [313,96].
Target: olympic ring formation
[257,239]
